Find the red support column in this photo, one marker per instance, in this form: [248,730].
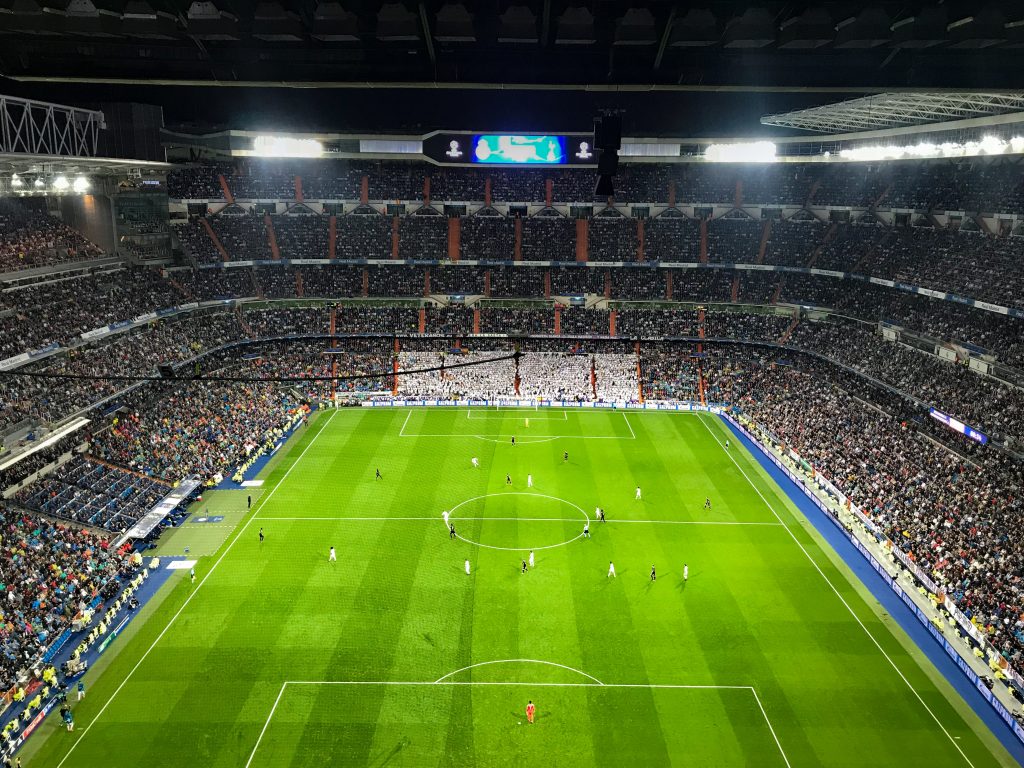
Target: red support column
[549,192]
[423,320]
[332,236]
[364,190]
[476,320]
[394,237]
[672,193]
[640,239]
[611,322]
[668,285]
[487,284]
[426,281]
[426,190]
[582,239]
[547,283]
[517,249]
[487,191]
[607,283]
[454,238]
[558,319]
[299,198]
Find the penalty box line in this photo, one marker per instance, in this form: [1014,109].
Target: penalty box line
[525,439]
[544,415]
[515,684]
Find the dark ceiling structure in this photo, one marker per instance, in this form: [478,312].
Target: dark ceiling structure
[841,47]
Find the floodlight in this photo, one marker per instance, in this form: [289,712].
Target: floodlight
[80,185]
[38,183]
[61,184]
[16,181]
[285,146]
[744,152]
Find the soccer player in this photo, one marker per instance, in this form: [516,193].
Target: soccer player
[467,567]
[529,481]
[565,456]
[586,530]
[654,576]
[331,556]
[445,516]
[530,711]
[248,502]
[513,440]
[476,463]
[261,536]
[638,493]
[451,531]
[686,572]
[192,574]
[600,514]
[531,558]
[508,479]
[727,443]
[611,570]
[707,503]
[524,567]
[81,690]
[379,476]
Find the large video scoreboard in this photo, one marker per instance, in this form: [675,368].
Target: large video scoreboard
[511,149]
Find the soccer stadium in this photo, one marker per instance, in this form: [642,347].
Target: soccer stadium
[524,383]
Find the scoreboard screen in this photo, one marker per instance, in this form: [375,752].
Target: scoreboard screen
[510,149]
[503,149]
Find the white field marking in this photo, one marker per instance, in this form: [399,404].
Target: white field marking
[632,434]
[770,728]
[839,595]
[401,432]
[262,500]
[500,440]
[445,682]
[266,724]
[544,415]
[767,523]
[517,661]
[520,519]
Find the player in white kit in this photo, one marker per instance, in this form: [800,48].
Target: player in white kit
[476,463]
[529,481]
[331,557]
[611,570]
[638,493]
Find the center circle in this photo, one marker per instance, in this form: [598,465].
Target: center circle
[584,518]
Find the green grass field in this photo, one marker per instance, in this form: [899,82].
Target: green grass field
[769,655]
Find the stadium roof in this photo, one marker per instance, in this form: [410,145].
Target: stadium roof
[893,110]
[838,45]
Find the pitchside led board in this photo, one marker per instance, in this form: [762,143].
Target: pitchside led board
[511,149]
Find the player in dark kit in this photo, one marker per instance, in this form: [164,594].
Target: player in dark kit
[654,576]
[261,535]
[451,531]
[508,479]
[707,503]
[565,456]
[524,567]
[513,441]
[379,476]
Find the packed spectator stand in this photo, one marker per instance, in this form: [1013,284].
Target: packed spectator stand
[804,376]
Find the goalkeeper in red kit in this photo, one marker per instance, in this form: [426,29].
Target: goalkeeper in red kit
[531,710]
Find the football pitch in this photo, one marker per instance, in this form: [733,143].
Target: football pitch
[769,654]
